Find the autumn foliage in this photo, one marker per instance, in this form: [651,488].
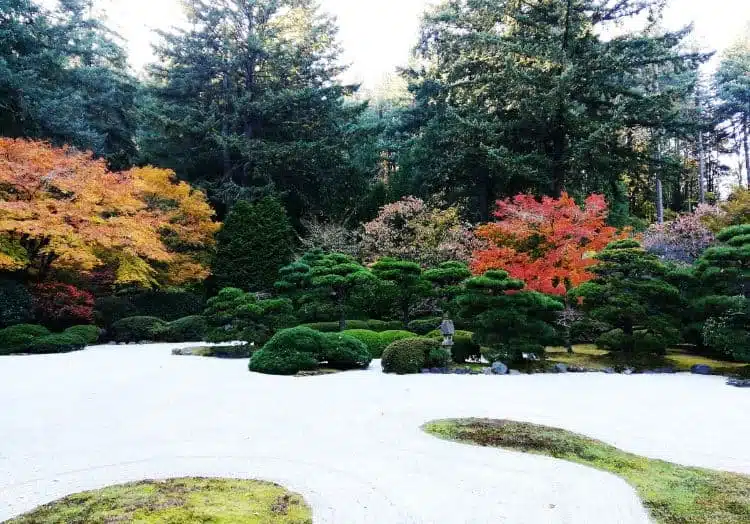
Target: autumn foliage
[61,305]
[62,209]
[547,243]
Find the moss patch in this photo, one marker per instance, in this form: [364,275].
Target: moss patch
[589,356]
[673,494]
[177,501]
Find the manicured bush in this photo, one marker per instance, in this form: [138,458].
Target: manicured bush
[437,358]
[256,240]
[641,341]
[60,306]
[187,329]
[87,334]
[345,352]
[371,339]
[136,329]
[464,348]
[281,361]
[391,336]
[15,303]
[423,326]
[56,343]
[236,315]
[408,355]
[333,327]
[383,325]
[16,339]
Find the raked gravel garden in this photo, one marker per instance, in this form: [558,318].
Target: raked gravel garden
[350,443]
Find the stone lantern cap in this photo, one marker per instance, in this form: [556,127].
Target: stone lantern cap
[447,328]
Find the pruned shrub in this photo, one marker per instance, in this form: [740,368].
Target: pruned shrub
[437,358]
[56,343]
[136,329]
[332,327]
[187,329]
[281,361]
[641,342]
[383,325]
[408,355]
[166,305]
[424,325]
[346,352]
[371,339]
[88,335]
[16,339]
[391,336]
[60,306]
[587,330]
[464,348]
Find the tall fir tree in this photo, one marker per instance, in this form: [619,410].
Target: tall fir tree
[245,101]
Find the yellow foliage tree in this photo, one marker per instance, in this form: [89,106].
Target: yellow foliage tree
[62,209]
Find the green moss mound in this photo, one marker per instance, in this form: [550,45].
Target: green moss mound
[673,494]
[410,355]
[184,501]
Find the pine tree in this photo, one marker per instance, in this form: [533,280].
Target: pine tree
[508,321]
[630,292]
[409,281]
[256,240]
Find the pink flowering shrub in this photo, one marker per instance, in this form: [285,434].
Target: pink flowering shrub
[683,239]
[415,231]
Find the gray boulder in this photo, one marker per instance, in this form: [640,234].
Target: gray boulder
[514,372]
[701,369]
[739,382]
[560,368]
[498,368]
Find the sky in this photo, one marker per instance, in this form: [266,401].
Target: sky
[378,35]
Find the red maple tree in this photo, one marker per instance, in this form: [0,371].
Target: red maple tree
[547,243]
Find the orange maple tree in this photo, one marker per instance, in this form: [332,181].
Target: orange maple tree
[63,209]
[547,243]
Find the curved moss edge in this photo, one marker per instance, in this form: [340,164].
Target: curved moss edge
[184,500]
[672,493]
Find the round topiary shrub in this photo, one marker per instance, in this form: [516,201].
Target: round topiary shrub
[88,335]
[187,329]
[408,355]
[346,352]
[464,348]
[374,342]
[423,326]
[136,329]
[384,325]
[16,339]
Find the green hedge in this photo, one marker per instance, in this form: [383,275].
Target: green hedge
[56,343]
[464,348]
[87,334]
[377,342]
[166,305]
[136,329]
[409,355]
[16,339]
[188,329]
[370,325]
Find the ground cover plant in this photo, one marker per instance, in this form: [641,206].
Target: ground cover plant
[673,494]
[180,500]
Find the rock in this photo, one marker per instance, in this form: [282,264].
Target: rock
[487,371]
[425,371]
[701,369]
[514,372]
[577,369]
[498,368]
[608,371]
[628,371]
[739,382]
[560,368]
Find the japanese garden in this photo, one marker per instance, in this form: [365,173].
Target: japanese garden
[507,282]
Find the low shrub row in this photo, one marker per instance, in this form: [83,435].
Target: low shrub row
[375,341]
[140,329]
[304,349]
[35,339]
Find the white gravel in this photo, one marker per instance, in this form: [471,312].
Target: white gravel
[350,443]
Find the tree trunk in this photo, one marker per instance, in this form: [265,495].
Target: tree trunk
[701,169]
[659,187]
[745,132]
[342,311]
[226,157]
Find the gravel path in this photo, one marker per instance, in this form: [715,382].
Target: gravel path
[350,443]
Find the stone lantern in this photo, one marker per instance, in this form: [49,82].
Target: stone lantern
[447,329]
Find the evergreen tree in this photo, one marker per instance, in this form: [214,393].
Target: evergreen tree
[256,240]
[508,321]
[64,78]
[245,100]
[630,293]
[409,281]
[448,279]
[516,96]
